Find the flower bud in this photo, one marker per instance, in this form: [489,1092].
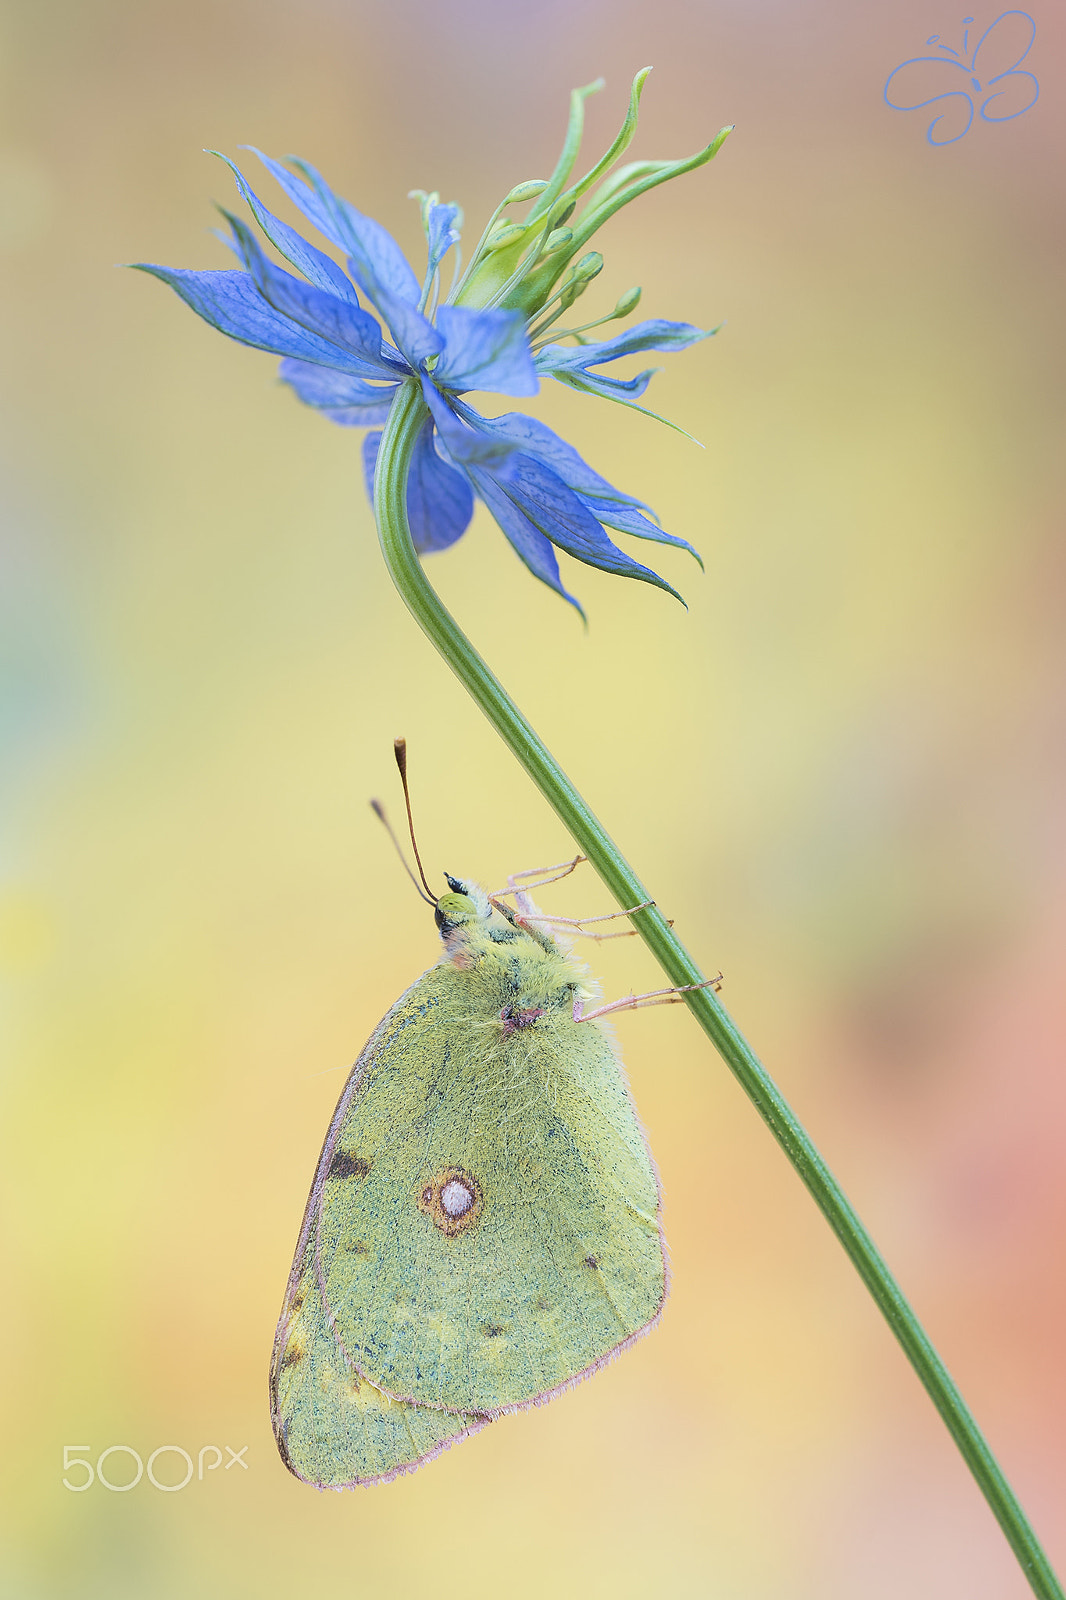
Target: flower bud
[526,191]
[589,267]
[504,235]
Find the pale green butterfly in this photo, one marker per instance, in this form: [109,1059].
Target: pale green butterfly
[484,1226]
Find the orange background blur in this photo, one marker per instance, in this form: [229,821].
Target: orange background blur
[841,772]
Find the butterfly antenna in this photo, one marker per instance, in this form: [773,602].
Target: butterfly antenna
[379,811]
[400,751]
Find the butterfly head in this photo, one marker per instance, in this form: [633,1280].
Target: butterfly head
[464,903]
[466,915]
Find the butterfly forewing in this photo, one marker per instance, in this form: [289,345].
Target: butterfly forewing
[483,1228]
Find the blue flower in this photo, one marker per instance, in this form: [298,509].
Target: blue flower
[348,356]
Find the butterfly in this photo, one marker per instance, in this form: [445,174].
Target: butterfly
[484,1225]
[959,79]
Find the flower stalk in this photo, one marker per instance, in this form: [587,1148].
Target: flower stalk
[405,422]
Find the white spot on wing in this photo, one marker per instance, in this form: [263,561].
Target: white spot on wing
[456,1198]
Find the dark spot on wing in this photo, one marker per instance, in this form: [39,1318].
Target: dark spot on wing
[293,1354]
[492,1330]
[347,1165]
[592,1261]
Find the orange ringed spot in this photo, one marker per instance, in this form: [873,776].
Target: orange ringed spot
[452,1200]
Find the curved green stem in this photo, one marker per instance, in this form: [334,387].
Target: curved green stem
[405,419]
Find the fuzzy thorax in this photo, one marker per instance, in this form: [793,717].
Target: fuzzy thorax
[521,972]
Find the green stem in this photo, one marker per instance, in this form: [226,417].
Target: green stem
[405,419]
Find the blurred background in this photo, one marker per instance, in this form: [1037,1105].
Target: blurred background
[842,772]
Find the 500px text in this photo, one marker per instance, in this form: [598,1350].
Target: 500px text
[161,1467]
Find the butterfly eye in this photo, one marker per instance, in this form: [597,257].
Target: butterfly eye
[453,910]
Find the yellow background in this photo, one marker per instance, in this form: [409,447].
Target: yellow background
[841,772]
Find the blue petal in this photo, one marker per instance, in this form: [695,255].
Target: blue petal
[557,503]
[655,334]
[337,320]
[536,438]
[371,446]
[561,516]
[522,534]
[609,388]
[230,302]
[416,337]
[314,207]
[481,457]
[440,501]
[371,244]
[626,519]
[442,231]
[468,445]
[376,261]
[485,350]
[344,399]
[316,267]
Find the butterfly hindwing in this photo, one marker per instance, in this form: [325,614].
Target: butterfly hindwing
[334,1429]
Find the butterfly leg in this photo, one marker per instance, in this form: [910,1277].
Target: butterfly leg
[561,869]
[576,925]
[606,916]
[633,1002]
